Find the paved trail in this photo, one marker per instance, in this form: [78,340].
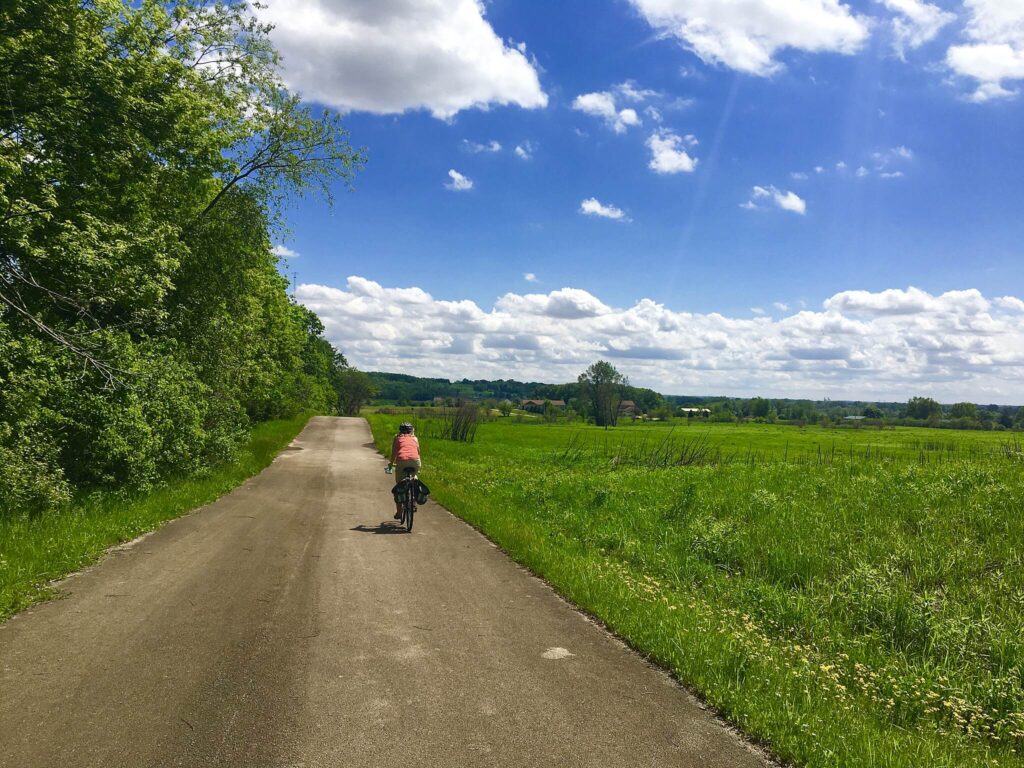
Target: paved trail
[289,625]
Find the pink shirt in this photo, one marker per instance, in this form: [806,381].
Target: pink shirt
[405,447]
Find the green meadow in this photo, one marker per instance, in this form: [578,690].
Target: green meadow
[848,597]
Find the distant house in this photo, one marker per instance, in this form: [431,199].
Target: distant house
[854,418]
[695,412]
[628,408]
[537,406]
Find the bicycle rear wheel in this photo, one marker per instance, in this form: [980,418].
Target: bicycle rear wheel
[410,512]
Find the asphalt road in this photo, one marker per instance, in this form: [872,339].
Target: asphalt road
[290,624]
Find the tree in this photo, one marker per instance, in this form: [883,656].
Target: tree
[550,412]
[505,407]
[601,392]
[963,411]
[355,389]
[923,408]
[145,148]
[759,407]
[873,412]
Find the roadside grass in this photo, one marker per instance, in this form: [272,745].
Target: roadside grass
[34,550]
[847,613]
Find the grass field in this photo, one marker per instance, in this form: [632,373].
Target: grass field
[35,550]
[861,605]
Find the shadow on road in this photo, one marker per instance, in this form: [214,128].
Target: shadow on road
[385,527]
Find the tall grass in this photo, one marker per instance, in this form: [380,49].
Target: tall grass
[849,613]
[37,549]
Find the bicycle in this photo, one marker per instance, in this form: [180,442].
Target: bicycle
[409,504]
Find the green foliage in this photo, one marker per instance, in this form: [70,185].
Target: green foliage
[356,389]
[600,392]
[963,411]
[923,408]
[145,149]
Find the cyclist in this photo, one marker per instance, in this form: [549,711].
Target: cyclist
[405,453]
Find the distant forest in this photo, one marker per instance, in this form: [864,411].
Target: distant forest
[403,389]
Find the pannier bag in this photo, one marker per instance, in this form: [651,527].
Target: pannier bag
[422,492]
[400,492]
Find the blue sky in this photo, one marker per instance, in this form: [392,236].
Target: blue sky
[774,176]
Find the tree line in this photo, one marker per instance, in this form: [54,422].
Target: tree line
[145,151]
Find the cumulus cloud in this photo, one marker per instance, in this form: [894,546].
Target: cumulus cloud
[476,148]
[1011,303]
[911,301]
[529,277]
[668,153]
[458,183]
[524,151]
[284,252]
[602,104]
[994,55]
[916,22]
[593,207]
[747,34]
[787,201]
[887,345]
[393,55]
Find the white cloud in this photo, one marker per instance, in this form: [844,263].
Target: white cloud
[747,34]
[630,91]
[668,153]
[819,169]
[798,176]
[916,22]
[787,201]
[524,151]
[653,113]
[758,310]
[911,301]
[530,277]
[284,252]
[393,55]
[781,306]
[592,207]
[862,172]
[475,148]
[1011,302]
[885,345]
[841,165]
[994,57]
[891,174]
[602,104]
[458,183]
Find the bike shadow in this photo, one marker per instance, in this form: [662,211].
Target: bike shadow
[388,526]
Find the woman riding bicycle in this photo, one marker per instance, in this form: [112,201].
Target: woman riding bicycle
[405,454]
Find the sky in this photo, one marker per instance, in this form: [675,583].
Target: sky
[746,197]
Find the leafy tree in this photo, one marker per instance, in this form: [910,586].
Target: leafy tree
[505,406]
[963,411]
[601,392]
[145,149]
[550,412]
[872,412]
[923,408]
[759,407]
[355,389]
